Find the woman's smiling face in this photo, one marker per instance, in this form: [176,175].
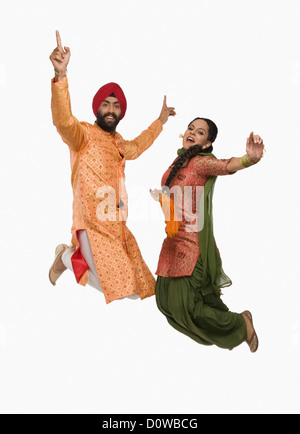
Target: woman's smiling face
[197,134]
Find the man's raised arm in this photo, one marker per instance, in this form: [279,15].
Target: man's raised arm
[70,129]
[134,148]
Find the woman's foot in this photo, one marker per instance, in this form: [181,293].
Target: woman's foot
[252,339]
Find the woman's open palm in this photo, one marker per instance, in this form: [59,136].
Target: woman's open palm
[254,147]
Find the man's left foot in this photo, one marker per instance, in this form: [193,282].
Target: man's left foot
[58,266]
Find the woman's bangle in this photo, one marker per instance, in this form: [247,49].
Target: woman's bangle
[245,162]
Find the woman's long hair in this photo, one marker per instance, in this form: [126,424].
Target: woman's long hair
[194,150]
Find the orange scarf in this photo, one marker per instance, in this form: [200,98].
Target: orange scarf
[167,205]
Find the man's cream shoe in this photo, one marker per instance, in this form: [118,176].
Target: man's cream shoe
[57,267]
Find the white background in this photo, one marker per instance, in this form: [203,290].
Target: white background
[62,349]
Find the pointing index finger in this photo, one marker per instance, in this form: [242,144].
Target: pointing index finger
[58,39]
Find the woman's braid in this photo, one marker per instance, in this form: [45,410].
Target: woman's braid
[190,153]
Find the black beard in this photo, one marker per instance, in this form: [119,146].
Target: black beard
[111,128]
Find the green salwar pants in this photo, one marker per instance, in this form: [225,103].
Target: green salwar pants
[202,317]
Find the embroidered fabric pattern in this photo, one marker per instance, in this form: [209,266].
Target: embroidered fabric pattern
[98,162]
[179,254]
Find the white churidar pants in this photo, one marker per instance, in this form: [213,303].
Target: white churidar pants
[86,252]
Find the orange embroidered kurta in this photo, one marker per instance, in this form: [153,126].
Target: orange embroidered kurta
[97,164]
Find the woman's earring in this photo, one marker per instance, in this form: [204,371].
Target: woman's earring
[181,136]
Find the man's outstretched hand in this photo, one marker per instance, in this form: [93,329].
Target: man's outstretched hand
[60,58]
[166,112]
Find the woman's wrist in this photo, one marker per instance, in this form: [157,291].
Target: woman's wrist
[247,162]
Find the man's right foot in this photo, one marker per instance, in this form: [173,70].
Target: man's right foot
[58,266]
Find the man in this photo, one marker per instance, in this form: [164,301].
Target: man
[104,253]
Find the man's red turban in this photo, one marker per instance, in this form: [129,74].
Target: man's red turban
[104,92]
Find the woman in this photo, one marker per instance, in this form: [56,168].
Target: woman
[190,274]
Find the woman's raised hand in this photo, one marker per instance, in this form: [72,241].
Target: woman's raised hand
[60,57]
[166,112]
[254,148]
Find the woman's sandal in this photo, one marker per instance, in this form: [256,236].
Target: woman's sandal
[253,341]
